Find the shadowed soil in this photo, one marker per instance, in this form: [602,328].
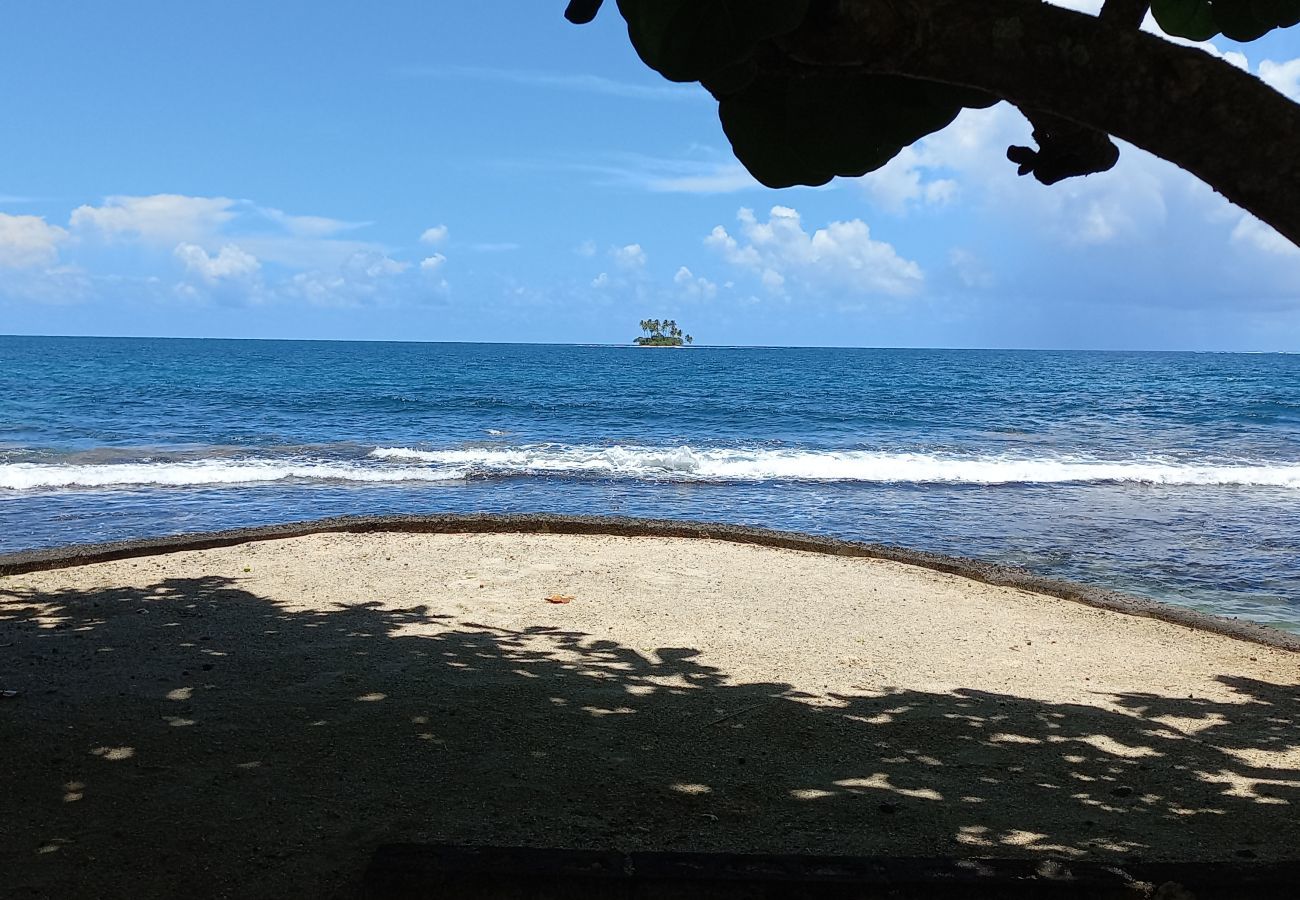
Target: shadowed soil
[254,720]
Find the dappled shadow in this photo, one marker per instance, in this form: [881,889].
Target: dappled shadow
[195,739]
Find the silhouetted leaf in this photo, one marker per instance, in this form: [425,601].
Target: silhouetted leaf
[807,129]
[1191,19]
[691,40]
[580,12]
[1239,20]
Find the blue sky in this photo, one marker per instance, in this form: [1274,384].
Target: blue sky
[486,171]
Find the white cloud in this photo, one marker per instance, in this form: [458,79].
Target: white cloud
[160,218]
[56,285]
[374,265]
[709,173]
[165,220]
[296,252]
[310,226]
[365,278]
[430,267]
[1254,233]
[601,281]
[841,256]
[629,257]
[1283,77]
[968,268]
[969,157]
[28,241]
[232,251]
[926,173]
[1145,230]
[900,182]
[231,263]
[723,178]
[693,287]
[435,235]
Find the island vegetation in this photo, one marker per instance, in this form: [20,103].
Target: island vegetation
[662,334]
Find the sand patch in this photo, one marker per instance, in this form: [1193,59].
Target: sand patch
[293,703]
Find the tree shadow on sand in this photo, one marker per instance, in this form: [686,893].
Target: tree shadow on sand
[195,739]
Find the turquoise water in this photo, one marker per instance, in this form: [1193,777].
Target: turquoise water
[1176,476]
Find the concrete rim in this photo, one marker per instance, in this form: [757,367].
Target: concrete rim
[25,562]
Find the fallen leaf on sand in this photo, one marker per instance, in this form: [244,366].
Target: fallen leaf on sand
[559,598]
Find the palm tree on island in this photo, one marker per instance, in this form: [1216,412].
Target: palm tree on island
[662,334]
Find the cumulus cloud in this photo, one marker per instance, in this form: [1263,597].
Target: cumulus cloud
[229,264]
[693,287]
[366,278]
[629,257]
[1283,77]
[230,251]
[1254,233]
[1145,231]
[375,265]
[28,242]
[969,269]
[435,235]
[160,218]
[841,256]
[272,235]
[970,157]
[431,270]
[902,182]
[930,172]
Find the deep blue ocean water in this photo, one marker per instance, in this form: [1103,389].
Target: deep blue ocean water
[1173,475]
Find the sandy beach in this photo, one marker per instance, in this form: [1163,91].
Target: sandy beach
[254,720]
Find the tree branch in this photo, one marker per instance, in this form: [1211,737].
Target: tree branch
[1221,124]
[1126,14]
[1065,149]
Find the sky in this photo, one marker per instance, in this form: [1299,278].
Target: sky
[486,171]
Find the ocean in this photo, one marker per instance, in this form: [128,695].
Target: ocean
[1169,475]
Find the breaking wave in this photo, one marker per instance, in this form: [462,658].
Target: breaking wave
[36,476]
[677,464]
[688,464]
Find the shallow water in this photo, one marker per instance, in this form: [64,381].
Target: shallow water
[1172,475]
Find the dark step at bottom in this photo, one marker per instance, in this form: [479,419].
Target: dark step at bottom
[443,872]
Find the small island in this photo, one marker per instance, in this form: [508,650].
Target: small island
[662,334]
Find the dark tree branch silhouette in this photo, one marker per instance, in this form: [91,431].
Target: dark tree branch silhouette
[811,89]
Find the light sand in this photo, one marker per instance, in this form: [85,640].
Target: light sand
[254,720]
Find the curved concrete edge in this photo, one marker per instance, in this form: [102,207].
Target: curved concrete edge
[484,523]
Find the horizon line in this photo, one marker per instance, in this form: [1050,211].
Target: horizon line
[630,344]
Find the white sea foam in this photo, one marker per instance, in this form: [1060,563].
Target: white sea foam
[36,476]
[685,463]
[399,464]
